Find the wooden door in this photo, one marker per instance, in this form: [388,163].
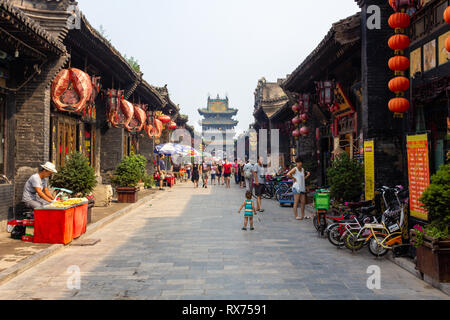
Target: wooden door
[66,138]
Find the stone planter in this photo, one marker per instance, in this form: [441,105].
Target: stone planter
[127,195]
[433,258]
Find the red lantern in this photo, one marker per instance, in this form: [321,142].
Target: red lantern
[304,131]
[399,105]
[399,42]
[296,108]
[447,44]
[399,84]
[296,121]
[164,119]
[399,63]
[400,4]
[296,133]
[447,15]
[172,126]
[399,20]
[304,117]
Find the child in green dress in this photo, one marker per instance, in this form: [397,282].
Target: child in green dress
[249,211]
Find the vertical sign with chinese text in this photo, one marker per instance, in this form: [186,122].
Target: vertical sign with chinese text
[369,169]
[418,173]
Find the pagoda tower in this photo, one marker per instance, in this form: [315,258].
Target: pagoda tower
[218,118]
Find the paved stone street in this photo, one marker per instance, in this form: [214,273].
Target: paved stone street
[189,245]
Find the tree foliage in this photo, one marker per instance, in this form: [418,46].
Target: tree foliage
[346,177]
[436,200]
[76,175]
[130,171]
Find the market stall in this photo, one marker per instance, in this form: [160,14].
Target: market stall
[60,222]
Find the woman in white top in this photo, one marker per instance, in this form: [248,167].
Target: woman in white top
[299,175]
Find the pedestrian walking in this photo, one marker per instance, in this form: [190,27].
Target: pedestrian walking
[195,174]
[259,178]
[248,176]
[249,211]
[161,171]
[220,173]
[205,174]
[227,168]
[241,176]
[213,173]
[188,170]
[299,175]
[236,171]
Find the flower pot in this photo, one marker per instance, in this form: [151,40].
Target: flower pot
[127,195]
[433,258]
[89,212]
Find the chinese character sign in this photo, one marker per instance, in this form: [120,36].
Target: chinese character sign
[418,172]
[369,169]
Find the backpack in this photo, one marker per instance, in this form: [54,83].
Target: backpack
[248,173]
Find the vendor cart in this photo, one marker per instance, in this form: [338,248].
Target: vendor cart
[60,225]
[285,193]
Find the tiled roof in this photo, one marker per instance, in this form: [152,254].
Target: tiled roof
[10,10]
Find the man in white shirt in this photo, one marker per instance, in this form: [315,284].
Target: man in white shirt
[260,179]
[248,174]
[35,193]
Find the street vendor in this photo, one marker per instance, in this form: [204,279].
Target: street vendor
[161,171]
[36,193]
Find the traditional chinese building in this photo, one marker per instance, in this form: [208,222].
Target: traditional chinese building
[218,119]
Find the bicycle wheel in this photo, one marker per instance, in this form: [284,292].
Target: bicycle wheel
[334,236]
[315,222]
[375,248]
[352,242]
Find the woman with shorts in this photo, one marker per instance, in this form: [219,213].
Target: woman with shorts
[299,175]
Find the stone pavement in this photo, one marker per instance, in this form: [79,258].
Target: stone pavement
[189,245]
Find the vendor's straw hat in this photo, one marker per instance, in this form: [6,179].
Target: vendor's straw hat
[49,167]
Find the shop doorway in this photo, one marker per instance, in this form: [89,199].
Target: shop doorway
[90,144]
[65,140]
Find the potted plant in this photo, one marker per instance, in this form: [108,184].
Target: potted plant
[78,176]
[127,175]
[346,178]
[433,241]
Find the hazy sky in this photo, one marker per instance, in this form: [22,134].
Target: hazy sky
[201,47]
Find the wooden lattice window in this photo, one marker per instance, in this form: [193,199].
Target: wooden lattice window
[2,135]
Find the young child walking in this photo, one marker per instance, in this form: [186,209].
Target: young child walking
[249,211]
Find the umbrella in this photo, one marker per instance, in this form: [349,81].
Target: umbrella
[189,151]
[169,149]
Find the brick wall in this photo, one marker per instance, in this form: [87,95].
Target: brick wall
[111,152]
[32,136]
[6,205]
[146,150]
[377,121]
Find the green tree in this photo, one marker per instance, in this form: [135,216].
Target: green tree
[130,171]
[436,200]
[346,177]
[76,175]
[134,63]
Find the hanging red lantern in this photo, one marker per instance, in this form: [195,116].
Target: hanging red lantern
[164,119]
[399,20]
[399,63]
[296,108]
[447,15]
[304,131]
[172,126]
[399,84]
[296,133]
[399,105]
[296,121]
[304,117]
[399,42]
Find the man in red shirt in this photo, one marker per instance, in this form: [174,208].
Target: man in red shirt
[227,167]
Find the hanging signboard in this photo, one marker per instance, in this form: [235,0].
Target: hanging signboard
[369,169]
[418,172]
[342,104]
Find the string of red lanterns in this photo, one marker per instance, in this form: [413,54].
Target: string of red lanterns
[399,21]
[301,110]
